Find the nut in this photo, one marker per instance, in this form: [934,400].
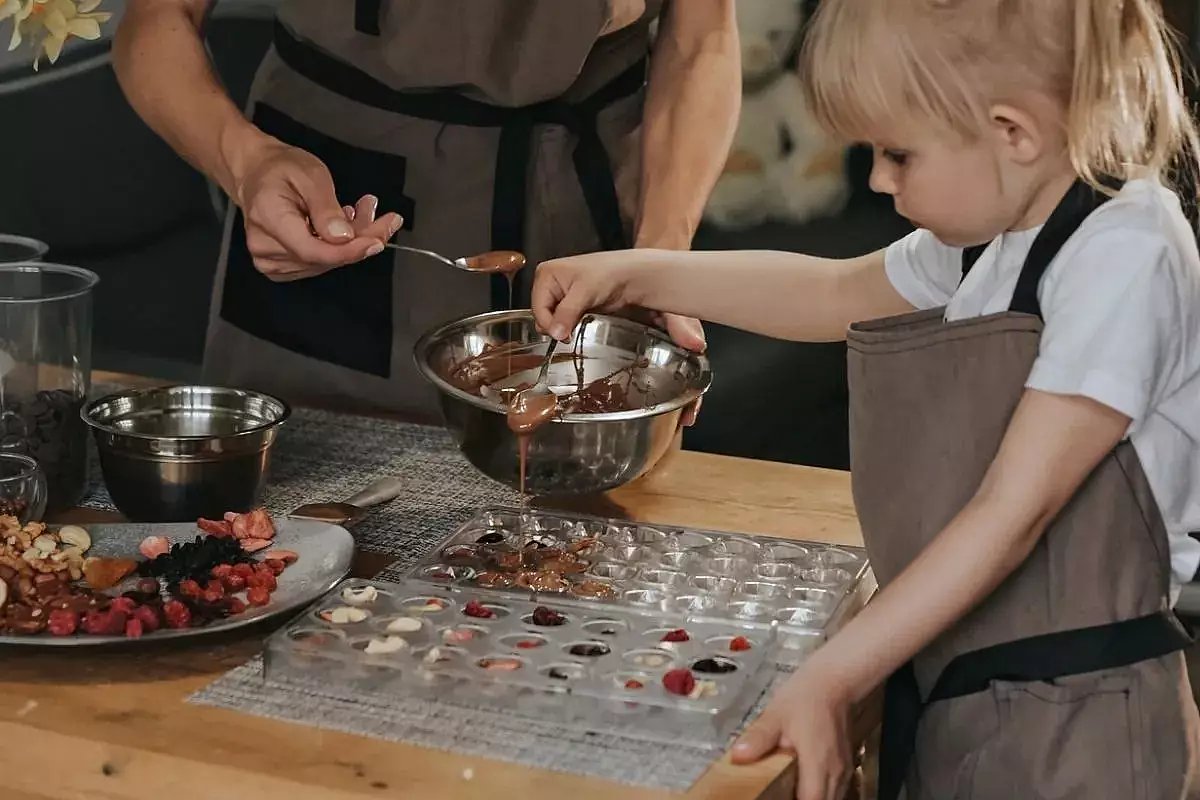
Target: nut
[3,593]
[45,545]
[31,556]
[75,536]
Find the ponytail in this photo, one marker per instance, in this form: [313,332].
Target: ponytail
[1129,114]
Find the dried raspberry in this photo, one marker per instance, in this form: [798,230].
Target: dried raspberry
[234,583]
[123,604]
[190,588]
[105,623]
[677,635]
[234,605]
[177,614]
[264,579]
[63,622]
[133,628]
[632,684]
[257,596]
[477,609]
[245,570]
[212,597]
[221,570]
[215,586]
[148,616]
[547,617]
[275,565]
[679,681]
[739,644]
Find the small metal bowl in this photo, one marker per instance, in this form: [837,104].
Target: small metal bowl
[574,453]
[176,453]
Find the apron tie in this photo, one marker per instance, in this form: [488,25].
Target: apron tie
[516,124]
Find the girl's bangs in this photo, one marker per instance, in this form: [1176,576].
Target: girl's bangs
[868,79]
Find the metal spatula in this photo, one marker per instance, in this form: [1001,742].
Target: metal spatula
[353,508]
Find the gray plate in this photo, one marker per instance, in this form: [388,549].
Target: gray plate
[325,552]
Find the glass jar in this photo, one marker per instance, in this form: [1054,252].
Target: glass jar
[22,488]
[45,372]
[14,249]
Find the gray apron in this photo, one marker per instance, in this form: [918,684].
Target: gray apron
[1068,682]
[487,126]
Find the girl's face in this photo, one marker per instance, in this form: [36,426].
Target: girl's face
[956,191]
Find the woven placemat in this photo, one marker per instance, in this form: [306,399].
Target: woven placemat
[327,456]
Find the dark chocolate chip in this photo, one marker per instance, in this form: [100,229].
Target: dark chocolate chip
[490,538]
[589,649]
[715,666]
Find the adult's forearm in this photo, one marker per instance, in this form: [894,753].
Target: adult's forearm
[165,73]
[777,294]
[692,105]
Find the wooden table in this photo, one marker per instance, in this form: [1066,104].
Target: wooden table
[92,726]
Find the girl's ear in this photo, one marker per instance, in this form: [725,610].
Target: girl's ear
[1017,135]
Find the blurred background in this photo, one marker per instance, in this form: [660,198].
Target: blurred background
[85,175]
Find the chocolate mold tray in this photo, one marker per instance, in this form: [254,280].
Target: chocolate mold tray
[663,678]
[803,586]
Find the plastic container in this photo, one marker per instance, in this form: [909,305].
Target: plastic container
[666,678]
[45,372]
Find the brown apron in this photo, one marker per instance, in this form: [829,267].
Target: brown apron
[500,125]
[1068,681]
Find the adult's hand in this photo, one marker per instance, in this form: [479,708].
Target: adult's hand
[295,226]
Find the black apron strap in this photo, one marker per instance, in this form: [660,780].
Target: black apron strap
[366,16]
[1037,658]
[1075,206]
[592,165]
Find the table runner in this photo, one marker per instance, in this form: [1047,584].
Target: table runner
[326,456]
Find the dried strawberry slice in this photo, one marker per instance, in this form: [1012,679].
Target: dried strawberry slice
[633,684]
[739,644]
[679,681]
[528,644]
[215,527]
[478,610]
[177,614]
[677,635]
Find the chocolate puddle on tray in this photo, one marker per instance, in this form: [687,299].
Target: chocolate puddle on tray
[490,372]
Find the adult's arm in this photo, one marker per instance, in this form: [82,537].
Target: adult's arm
[693,100]
[165,73]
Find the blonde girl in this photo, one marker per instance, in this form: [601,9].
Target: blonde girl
[1025,397]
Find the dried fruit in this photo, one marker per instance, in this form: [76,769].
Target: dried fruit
[154,546]
[275,566]
[149,618]
[478,610]
[739,644]
[234,582]
[105,623]
[220,528]
[134,628]
[634,685]
[256,524]
[264,579]
[258,596]
[177,614]
[286,556]
[677,635]
[62,622]
[190,588]
[123,604]
[547,617]
[194,559]
[528,644]
[254,545]
[105,573]
[679,681]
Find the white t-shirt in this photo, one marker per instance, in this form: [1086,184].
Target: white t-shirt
[1121,303]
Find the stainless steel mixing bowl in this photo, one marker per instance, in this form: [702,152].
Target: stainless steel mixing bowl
[176,453]
[577,453]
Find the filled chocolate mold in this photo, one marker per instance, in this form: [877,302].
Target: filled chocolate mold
[648,568]
[680,676]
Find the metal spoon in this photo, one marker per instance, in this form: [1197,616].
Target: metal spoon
[353,508]
[532,407]
[504,262]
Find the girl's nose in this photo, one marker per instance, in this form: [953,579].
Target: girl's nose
[883,175]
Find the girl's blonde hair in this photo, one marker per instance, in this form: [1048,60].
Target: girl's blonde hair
[875,65]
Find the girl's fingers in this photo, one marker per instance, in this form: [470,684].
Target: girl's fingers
[760,740]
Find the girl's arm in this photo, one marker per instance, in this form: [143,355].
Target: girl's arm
[784,295]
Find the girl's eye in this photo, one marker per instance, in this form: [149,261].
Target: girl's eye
[897,157]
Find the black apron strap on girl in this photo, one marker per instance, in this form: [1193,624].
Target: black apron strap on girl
[366,16]
[1038,658]
[1076,205]
[592,165]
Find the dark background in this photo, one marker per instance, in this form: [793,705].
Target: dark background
[85,175]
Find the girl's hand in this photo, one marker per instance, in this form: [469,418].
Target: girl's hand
[810,716]
[564,289]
